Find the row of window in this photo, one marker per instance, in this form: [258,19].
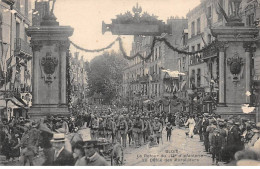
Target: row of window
[143,89]
[195,77]
[18,6]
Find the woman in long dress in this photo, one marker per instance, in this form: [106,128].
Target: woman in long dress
[191,123]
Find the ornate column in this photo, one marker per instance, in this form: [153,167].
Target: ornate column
[63,46]
[36,47]
[249,49]
[50,44]
[222,72]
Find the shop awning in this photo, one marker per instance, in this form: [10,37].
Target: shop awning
[13,103]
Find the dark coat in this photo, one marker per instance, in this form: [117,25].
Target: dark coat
[232,137]
[65,158]
[96,160]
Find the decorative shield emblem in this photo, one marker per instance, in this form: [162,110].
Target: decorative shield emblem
[236,64]
[49,64]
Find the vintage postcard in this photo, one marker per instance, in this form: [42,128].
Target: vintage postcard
[129,83]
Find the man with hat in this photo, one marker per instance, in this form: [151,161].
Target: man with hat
[94,126]
[137,130]
[92,158]
[61,156]
[29,142]
[157,129]
[232,139]
[122,130]
[130,129]
[145,129]
[216,146]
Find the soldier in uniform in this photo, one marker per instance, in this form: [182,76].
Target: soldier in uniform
[29,143]
[130,129]
[108,128]
[157,129]
[137,130]
[101,128]
[146,129]
[92,157]
[122,131]
[94,125]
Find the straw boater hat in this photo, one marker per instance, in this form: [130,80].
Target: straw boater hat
[58,137]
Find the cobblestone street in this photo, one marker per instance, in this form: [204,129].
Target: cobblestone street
[180,151]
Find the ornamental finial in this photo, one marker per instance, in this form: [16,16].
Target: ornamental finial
[137,9]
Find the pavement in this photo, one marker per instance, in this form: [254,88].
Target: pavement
[180,151]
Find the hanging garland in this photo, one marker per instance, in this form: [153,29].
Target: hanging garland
[95,50]
[137,54]
[155,39]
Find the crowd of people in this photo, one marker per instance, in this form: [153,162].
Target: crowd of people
[22,139]
[228,140]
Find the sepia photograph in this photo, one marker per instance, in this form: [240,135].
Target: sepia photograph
[129,83]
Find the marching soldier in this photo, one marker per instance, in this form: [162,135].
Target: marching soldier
[101,129]
[123,128]
[146,129]
[94,125]
[157,129]
[130,129]
[137,131]
[109,127]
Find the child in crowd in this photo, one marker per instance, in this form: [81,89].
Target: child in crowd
[169,131]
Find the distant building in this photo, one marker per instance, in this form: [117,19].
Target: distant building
[146,81]
[78,77]
[16,57]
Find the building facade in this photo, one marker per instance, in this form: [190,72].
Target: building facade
[16,16]
[204,69]
[147,83]
[78,79]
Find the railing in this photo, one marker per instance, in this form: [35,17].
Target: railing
[22,47]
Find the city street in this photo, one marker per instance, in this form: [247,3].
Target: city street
[180,151]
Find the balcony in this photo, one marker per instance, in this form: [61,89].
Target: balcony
[22,48]
[144,79]
[155,77]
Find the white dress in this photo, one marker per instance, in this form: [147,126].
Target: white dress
[191,123]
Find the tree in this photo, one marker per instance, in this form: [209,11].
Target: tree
[105,74]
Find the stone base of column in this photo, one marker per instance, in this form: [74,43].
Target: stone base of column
[222,105]
[234,110]
[37,112]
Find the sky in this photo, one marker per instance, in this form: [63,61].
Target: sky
[86,17]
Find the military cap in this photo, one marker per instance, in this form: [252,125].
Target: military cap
[230,121]
[221,124]
[90,143]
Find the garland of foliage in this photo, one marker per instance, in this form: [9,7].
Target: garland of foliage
[155,39]
[95,50]
[69,87]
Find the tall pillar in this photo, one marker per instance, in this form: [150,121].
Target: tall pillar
[63,85]
[222,77]
[249,49]
[50,44]
[36,52]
